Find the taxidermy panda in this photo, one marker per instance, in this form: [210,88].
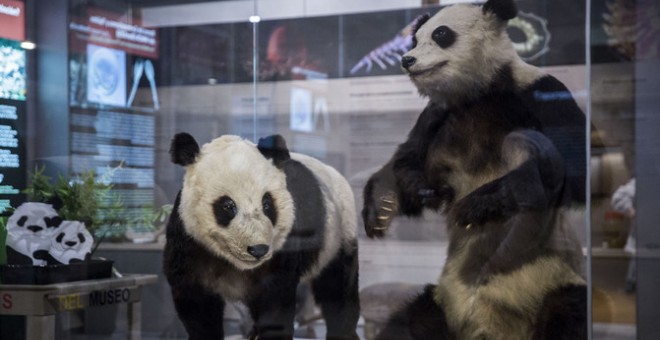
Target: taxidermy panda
[29,232]
[71,243]
[499,150]
[250,223]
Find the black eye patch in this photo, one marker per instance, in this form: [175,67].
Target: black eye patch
[81,237]
[53,222]
[21,221]
[268,207]
[59,237]
[224,209]
[443,36]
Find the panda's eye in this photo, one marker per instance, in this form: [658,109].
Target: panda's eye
[224,209]
[269,207]
[443,36]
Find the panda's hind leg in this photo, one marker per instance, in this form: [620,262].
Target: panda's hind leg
[420,319]
[563,314]
[336,292]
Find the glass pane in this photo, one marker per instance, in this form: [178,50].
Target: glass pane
[465,154]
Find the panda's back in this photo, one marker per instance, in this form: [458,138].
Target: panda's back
[323,198]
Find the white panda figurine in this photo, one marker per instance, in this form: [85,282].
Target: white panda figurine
[29,231]
[252,222]
[71,243]
[500,150]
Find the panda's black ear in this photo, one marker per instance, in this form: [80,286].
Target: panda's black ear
[184,149]
[274,147]
[503,9]
[419,21]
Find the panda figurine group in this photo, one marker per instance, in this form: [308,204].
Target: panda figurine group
[499,149]
[250,224]
[37,236]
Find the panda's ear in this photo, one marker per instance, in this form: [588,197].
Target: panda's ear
[274,147]
[503,9]
[419,21]
[184,149]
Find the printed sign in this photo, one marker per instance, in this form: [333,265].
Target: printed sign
[12,20]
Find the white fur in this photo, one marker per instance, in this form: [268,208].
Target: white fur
[234,167]
[63,252]
[22,239]
[481,48]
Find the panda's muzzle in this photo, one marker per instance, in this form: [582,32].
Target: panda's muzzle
[258,251]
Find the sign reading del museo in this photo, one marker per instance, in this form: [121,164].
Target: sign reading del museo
[113,30]
[12,20]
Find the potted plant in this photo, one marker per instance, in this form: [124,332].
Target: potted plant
[82,198]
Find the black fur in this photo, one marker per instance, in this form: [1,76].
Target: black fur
[421,20]
[274,147]
[503,9]
[564,124]
[183,149]
[420,319]
[271,287]
[563,315]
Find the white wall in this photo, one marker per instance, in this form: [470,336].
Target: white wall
[241,10]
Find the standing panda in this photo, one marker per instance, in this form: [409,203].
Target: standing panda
[500,149]
[252,222]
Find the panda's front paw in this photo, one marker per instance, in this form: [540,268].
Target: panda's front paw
[379,212]
[381,205]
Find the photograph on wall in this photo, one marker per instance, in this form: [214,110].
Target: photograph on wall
[373,43]
[546,35]
[106,76]
[13,79]
[289,50]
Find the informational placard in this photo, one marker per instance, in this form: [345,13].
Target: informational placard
[113,30]
[12,153]
[121,141]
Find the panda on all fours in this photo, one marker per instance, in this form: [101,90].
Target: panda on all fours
[250,223]
[500,151]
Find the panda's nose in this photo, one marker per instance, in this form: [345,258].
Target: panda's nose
[34,228]
[258,251]
[408,61]
[70,243]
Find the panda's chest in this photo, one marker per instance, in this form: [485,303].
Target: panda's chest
[232,285]
[464,148]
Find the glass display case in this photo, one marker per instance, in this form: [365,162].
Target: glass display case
[92,94]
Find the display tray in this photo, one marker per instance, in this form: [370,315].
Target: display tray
[56,273]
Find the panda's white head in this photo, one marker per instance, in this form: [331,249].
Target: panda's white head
[34,219]
[234,199]
[457,52]
[72,240]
